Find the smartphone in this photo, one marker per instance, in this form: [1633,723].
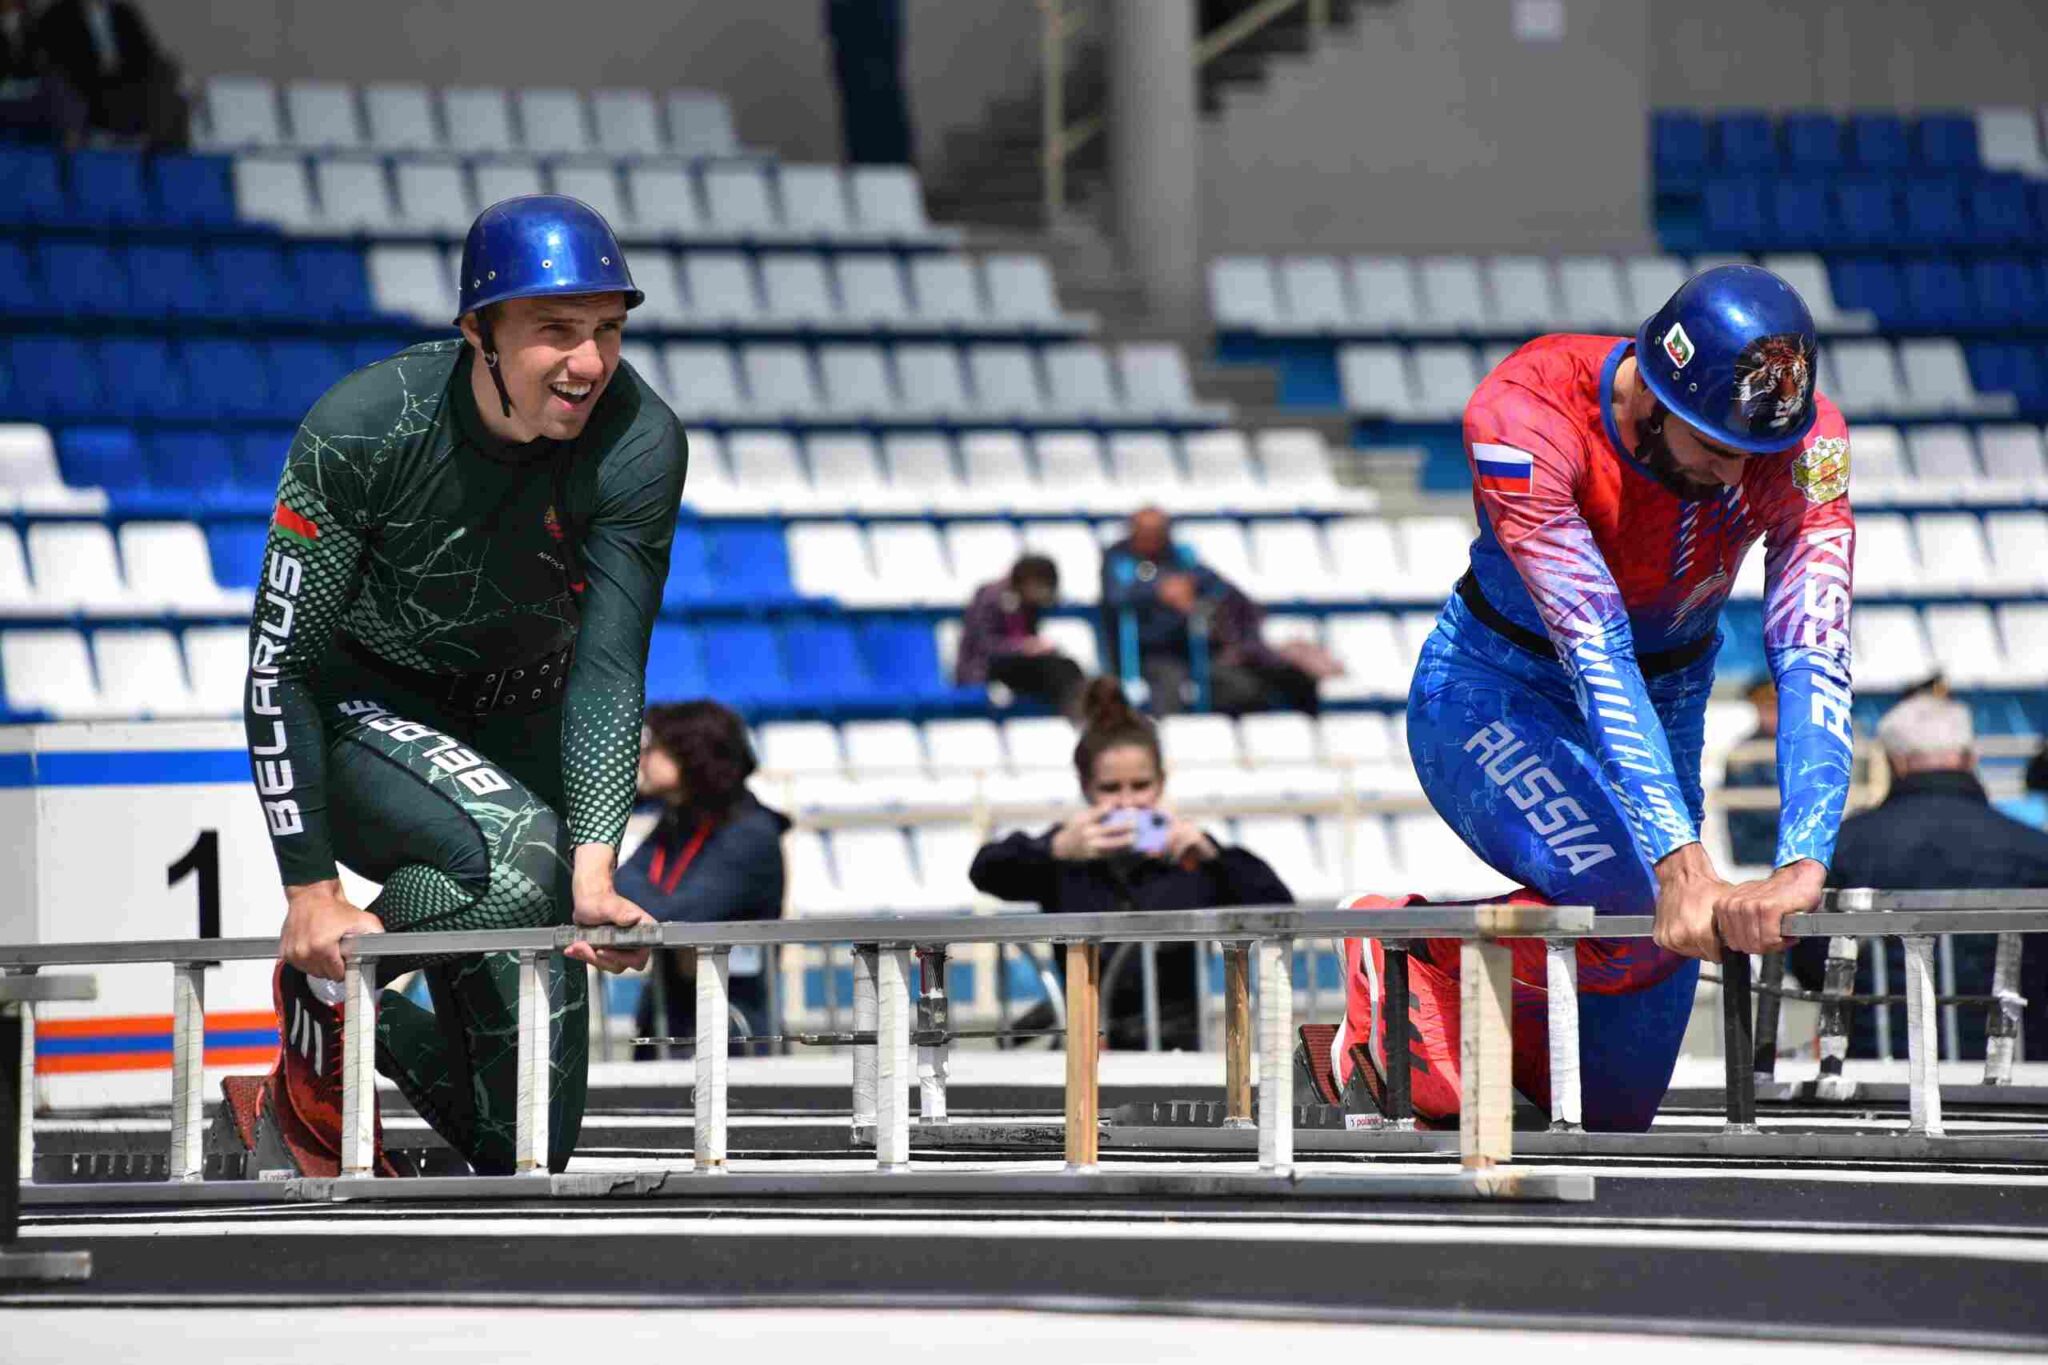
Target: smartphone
[1148,826]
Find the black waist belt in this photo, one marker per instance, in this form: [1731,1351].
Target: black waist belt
[515,691]
[1653,664]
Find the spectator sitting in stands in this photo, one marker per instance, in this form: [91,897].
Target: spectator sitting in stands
[1126,851]
[1753,834]
[1157,599]
[715,855]
[1000,643]
[1936,830]
[36,104]
[106,51]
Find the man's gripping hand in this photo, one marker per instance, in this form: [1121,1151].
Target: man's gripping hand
[1749,913]
[317,917]
[596,902]
[1688,892]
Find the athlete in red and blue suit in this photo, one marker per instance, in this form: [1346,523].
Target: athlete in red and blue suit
[1556,715]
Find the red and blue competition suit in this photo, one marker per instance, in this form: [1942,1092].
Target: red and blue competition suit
[1574,770]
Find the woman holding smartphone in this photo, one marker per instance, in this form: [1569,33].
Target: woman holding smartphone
[1125,850]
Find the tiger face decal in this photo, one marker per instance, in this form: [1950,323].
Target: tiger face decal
[1774,380]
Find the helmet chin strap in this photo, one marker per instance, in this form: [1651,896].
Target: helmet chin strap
[490,355]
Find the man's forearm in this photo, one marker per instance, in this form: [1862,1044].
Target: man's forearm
[592,870]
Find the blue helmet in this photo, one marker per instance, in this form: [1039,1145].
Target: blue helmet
[1732,354]
[541,244]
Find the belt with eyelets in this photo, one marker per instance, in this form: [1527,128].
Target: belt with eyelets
[515,691]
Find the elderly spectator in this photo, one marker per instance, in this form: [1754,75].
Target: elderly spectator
[1164,612]
[1753,834]
[1124,850]
[716,853]
[1000,643]
[105,49]
[1936,830]
[36,104]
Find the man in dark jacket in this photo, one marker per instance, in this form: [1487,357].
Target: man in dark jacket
[106,51]
[1000,643]
[1937,830]
[36,104]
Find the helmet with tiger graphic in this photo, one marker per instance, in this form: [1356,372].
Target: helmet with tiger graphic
[1733,355]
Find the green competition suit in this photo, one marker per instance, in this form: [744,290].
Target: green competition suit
[448,660]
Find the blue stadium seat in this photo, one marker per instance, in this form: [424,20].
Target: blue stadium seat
[229,381]
[1868,283]
[903,659]
[171,280]
[2007,367]
[237,551]
[1934,212]
[1866,212]
[1937,294]
[332,284]
[300,372]
[259,461]
[35,191]
[253,280]
[106,188]
[825,666]
[103,457]
[196,465]
[142,379]
[1678,142]
[1947,142]
[194,191]
[749,562]
[19,295]
[749,671]
[1799,212]
[675,664]
[1735,214]
[2006,291]
[55,377]
[370,350]
[1999,214]
[690,581]
[1813,142]
[83,279]
[1746,141]
[1879,142]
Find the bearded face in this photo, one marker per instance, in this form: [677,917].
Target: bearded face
[1774,381]
[1653,448]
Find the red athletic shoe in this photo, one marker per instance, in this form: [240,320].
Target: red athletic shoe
[293,1116]
[1430,1032]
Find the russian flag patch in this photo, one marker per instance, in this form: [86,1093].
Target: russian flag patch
[1502,469]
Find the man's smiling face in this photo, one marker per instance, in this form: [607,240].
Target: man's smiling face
[556,355]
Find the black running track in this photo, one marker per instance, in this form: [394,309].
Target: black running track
[1812,1260]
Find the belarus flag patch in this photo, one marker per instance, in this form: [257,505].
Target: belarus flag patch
[290,523]
[1502,469]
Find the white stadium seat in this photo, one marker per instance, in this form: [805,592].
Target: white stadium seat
[1219,545]
[1938,380]
[1376,380]
[964,746]
[655,272]
[801,746]
[737,201]
[703,381]
[1809,279]
[1363,559]
[814,202]
[796,289]
[665,201]
[1020,292]
[1651,280]
[830,559]
[1524,294]
[1445,376]
[1866,381]
[275,190]
[2014,462]
[241,111]
[1384,294]
[998,472]
[844,470]
[780,381]
[75,566]
[400,118]
[1878,470]
[1370,649]
[1965,644]
[1953,557]
[1155,383]
[922,476]
[700,124]
[982,552]
[1072,546]
[910,565]
[2024,626]
[1242,294]
[506,178]
[142,673]
[856,382]
[1005,380]
[17,592]
[323,115]
[217,666]
[627,123]
[355,194]
[50,671]
[767,465]
[1886,564]
[1313,296]
[166,564]
[553,122]
[1945,463]
[871,290]
[1591,297]
[1289,564]
[720,287]
[413,281]
[888,203]
[1453,296]
[946,291]
[1078,380]
[433,196]
[478,119]
[1222,473]
[1071,474]
[597,186]
[2018,543]
[1891,649]
[1434,552]
[2009,139]
[929,381]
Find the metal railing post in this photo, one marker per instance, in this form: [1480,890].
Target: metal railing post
[1738,1046]
[1923,1054]
[188,1070]
[1148,983]
[933,1016]
[865,1018]
[359,1066]
[708,1099]
[1486,1101]
[1400,1060]
[1053,105]
[1237,1036]
[2002,1026]
[892,1058]
[1769,994]
[1084,1043]
[530,1136]
[1276,1055]
[1837,1009]
[1561,980]
[25,1137]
